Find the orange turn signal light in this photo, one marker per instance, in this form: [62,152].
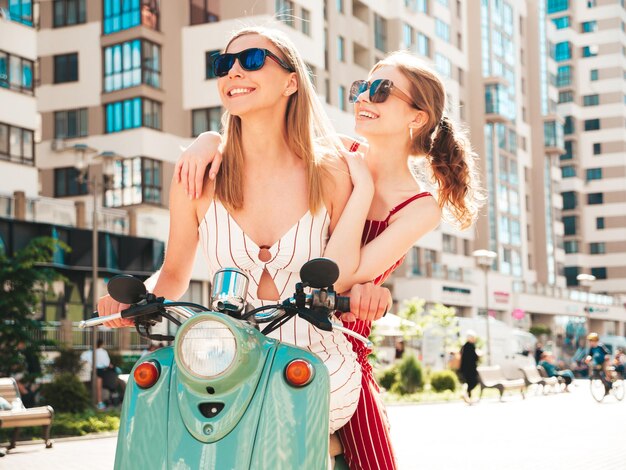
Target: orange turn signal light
[146,374]
[299,373]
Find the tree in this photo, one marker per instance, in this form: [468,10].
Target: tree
[23,278]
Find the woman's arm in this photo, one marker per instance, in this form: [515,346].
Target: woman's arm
[349,207]
[409,225]
[172,280]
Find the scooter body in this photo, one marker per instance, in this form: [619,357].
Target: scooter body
[248,417]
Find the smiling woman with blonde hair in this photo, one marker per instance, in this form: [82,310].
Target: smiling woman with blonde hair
[276,202]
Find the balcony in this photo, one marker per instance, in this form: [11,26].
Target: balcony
[553,135]
[495,99]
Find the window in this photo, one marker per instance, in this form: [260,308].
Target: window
[68,12]
[285,12]
[125,14]
[563,51]
[570,273]
[589,27]
[132,63]
[594,174]
[597,148]
[342,98]
[207,119]
[442,30]
[568,171]
[16,145]
[339,5]
[591,100]
[132,113]
[341,49]
[597,248]
[71,123]
[407,35]
[423,45]
[590,51]
[570,200]
[599,273]
[592,124]
[20,11]
[380,33]
[443,66]
[209,58]
[569,224]
[595,198]
[566,96]
[66,68]
[569,126]
[449,244]
[569,150]
[306,21]
[16,73]
[599,223]
[555,6]
[66,183]
[564,75]
[571,246]
[135,181]
[561,22]
[593,75]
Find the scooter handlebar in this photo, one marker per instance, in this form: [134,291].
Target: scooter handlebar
[342,304]
[98,320]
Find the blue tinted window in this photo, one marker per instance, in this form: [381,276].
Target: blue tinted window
[125,14]
[563,51]
[561,22]
[557,5]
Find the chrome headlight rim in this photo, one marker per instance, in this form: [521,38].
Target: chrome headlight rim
[180,338]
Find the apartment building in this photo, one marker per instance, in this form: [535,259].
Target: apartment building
[590,49]
[122,85]
[19,120]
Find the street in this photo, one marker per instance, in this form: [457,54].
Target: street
[560,431]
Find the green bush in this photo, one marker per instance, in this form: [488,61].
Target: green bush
[443,380]
[68,361]
[410,375]
[66,394]
[388,377]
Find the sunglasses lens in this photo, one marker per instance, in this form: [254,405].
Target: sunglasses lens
[356,89]
[252,59]
[379,91]
[222,64]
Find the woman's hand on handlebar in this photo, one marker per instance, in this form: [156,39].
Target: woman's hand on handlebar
[368,302]
[107,305]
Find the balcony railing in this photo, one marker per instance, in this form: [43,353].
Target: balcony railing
[81,339]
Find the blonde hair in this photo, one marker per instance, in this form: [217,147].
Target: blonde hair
[309,134]
[451,158]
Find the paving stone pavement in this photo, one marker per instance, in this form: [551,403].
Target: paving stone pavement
[558,431]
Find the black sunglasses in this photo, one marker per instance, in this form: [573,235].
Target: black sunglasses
[379,91]
[250,59]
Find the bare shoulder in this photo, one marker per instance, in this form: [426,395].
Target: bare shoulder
[426,210]
[180,202]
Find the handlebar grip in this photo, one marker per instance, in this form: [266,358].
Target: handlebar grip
[342,304]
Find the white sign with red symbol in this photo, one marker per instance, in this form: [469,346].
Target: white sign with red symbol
[501,297]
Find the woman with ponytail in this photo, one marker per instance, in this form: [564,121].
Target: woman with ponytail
[400,111]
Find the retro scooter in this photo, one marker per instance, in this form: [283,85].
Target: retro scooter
[226,396]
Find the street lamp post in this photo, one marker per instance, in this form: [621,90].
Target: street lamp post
[83,165]
[585,281]
[484,259]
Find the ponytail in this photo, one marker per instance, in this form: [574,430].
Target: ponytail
[452,164]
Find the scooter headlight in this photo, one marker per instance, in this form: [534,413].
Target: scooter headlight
[207,349]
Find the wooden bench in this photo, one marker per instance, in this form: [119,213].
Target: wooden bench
[532,376]
[20,417]
[492,377]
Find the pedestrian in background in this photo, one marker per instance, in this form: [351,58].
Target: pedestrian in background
[469,365]
[538,352]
